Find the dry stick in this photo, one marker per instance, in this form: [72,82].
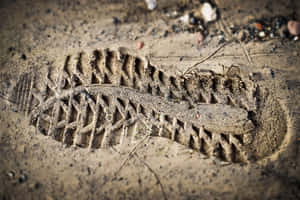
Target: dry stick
[155,174]
[246,52]
[115,150]
[206,58]
[241,44]
[134,153]
[130,154]
[222,24]
[225,28]
[222,27]
[258,54]
[254,55]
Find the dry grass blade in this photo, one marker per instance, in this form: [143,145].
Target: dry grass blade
[155,174]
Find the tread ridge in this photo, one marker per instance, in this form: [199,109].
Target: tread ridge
[80,117]
[86,135]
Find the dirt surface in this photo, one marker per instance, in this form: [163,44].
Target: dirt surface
[108,100]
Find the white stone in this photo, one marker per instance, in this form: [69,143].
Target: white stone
[151,4]
[221,37]
[174,13]
[185,19]
[208,12]
[262,34]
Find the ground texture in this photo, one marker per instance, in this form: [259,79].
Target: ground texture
[107,100]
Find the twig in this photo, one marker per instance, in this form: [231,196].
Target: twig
[130,154]
[223,22]
[155,174]
[134,153]
[228,55]
[245,52]
[206,58]
[241,44]
[115,150]
[253,55]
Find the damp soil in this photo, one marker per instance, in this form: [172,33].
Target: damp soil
[88,113]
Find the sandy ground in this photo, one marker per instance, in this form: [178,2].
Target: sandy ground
[39,34]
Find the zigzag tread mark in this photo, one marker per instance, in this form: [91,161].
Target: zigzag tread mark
[98,120]
[121,69]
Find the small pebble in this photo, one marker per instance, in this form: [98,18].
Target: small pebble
[37,185]
[262,34]
[8,84]
[10,49]
[222,40]
[140,45]
[115,20]
[23,178]
[11,174]
[23,56]
[259,26]
[294,27]
[272,73]
[201,27]
[174,13]
[185,19]
[151,4]
[192,21]
[208,12]
[272,35]
[166,33]
[242,35]
[221,37]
